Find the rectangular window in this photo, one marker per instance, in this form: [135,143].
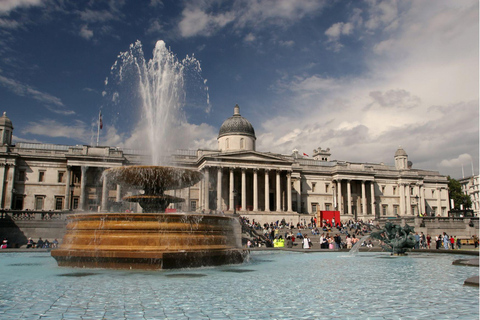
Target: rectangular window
[383,189]
[414,210]
[39,202]
[433,193]
[444,211]
[313,186]
[193,205]
[18,204]
[384,210]
[395,210]
[75,203]
[61,174]
[21,175]
[327,188]
[394,190]
[58,203]
[328,206]
[434,211]
[41,176]
[314,207]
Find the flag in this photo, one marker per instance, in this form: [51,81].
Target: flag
[100,122]
[306,155]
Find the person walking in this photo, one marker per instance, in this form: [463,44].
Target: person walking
[446,241]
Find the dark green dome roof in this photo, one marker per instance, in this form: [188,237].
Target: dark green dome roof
[236,125]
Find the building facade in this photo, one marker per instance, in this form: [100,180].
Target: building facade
[470,187]
[261,185]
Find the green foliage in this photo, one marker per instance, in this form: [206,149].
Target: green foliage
[455,191]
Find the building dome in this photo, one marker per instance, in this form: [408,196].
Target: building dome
[400,152]
[236,125]
[5,121]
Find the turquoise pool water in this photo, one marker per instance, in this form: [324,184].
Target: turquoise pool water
[272,285]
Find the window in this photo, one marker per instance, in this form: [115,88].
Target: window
[193,205]
[41,176]
[313,186]
[395,210]
[383,189]
[433,193]
[314,207]
[21,175]
[39,202]
[394,190]
[242,143]
[58,203]
[328,206]
[384,209]
[61,174]
[414,210]
[327,187]
[411,191]
[75,203]
[434,211]
[444,211]
[18,204]
[227,144]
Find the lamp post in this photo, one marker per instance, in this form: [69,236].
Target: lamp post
[418,209]
[234,204]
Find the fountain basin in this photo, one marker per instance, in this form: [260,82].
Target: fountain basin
[149,241]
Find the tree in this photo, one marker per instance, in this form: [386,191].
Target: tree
[455,192]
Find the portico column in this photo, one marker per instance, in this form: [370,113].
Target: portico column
[66,205]
[255,189]
[439,201]
[83,184]
[364,199]
[206,184]
[231,196]
[104,194]
[11,184]
[409,201]
[277,193]
[118,197]
[267,192]
[402,199]
[372,192]
[298,187]
[349,197]
[289,192]
[339,195]
[200,195]
[219,189]
[188,207]
[244,191]
[422,199]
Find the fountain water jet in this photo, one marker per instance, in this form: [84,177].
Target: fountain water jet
[152,240]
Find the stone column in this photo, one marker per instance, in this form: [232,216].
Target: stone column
[422,199]
[439,201]
[200,195]
[409,200]
[277,193]
[188,208]
[206,185]
[83,184]
[219,189]
[11,184]
[349,197]
[104,194]
[244,190]
[402,199]
[267,192]
[364,199]
[118,196]
[289,192]
[255,190]
[66,205]
[339,195]
[231,189]
[372,193]
[298,188]
[3,175]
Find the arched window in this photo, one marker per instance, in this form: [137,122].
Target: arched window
[242,143]
[227,145]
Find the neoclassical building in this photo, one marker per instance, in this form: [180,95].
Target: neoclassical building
[261,185]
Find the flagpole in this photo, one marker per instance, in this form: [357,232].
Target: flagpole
[98,126]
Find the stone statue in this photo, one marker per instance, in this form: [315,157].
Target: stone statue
[396,239]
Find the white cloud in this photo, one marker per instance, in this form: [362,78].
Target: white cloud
[86,33]
[76,130]
[462,160]
[249,37]
[6,6]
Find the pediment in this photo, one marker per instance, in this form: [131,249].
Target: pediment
[246,156]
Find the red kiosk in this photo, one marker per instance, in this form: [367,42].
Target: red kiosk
[328,217]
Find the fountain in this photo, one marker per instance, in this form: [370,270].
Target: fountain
[396,239]
[152,239]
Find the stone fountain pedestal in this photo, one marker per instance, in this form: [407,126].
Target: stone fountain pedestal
[154,240]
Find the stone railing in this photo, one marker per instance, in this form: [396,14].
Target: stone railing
[28,215]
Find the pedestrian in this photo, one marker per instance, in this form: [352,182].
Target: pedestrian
[459,243]
[452,242]
[446,240]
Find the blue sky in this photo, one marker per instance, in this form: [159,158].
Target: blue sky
[359,77]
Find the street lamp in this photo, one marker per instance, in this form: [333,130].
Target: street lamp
[418,209]
[234,206]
